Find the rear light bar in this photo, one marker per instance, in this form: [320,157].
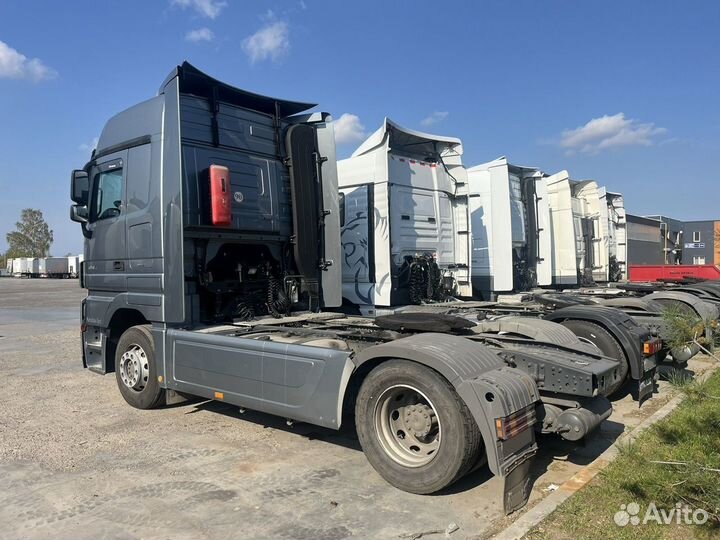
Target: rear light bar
[515,423]
[652,346]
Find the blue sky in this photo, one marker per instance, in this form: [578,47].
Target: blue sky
[622,92]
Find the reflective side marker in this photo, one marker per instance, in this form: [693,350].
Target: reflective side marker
[219,395]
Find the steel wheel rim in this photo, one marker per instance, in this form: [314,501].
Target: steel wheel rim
[407,426]
[134,368]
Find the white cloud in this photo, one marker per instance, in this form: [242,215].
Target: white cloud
[271,41]
[434,118]
[608,132]
[207,8]
[15,65]
[348,129]
[200,34]
[89,147]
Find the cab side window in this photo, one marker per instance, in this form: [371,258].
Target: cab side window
[107,196]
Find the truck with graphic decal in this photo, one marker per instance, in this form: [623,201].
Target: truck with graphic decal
[405,226]
[213,264]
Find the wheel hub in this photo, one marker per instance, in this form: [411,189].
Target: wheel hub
[419,419]
[407,426]
[134,368]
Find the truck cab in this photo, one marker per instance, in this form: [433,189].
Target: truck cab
[405,230]
[612,210]
[580,241]
[518,257]
[188,216]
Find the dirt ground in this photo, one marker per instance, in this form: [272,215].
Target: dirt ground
[77,462]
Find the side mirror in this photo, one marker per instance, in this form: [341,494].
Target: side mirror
[79,187]
[79,213]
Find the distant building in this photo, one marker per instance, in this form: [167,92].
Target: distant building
[663,240]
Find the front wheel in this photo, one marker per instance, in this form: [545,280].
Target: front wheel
[136,368]
[414,429]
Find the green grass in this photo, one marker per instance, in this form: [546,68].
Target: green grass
[690,436]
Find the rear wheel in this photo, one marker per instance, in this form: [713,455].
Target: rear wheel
[603,340]
[136,368]
[414,429]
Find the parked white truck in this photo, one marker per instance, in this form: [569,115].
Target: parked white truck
[405,230]
[612,209]
[511,232]
[580,245]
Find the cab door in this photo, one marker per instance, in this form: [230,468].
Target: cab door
[106,248]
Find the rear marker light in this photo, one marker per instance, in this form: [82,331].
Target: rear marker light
[515,423]
[651,347]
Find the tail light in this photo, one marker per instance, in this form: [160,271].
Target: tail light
[652,346]
[515,423]
[220,198]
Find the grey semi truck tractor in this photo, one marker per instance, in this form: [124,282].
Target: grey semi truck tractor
[212,264]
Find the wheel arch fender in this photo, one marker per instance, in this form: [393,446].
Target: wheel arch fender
[619,324]
[643,304]
[113,325]
[489,388]
[705,310]
[530,327]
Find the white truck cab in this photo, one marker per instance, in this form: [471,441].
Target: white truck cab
[580,241]
[405,219]
[612,209]
[515,257]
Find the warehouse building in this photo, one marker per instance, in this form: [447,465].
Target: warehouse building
[663,240]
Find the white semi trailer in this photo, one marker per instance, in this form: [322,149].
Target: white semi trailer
[23,266]
[405,230]
[73,262]
[511,233]
[57,267]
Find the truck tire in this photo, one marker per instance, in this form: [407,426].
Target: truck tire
[415,430]
[605,342]
[136,369]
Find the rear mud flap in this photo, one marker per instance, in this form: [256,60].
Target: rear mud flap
[646,385]
[517,485]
